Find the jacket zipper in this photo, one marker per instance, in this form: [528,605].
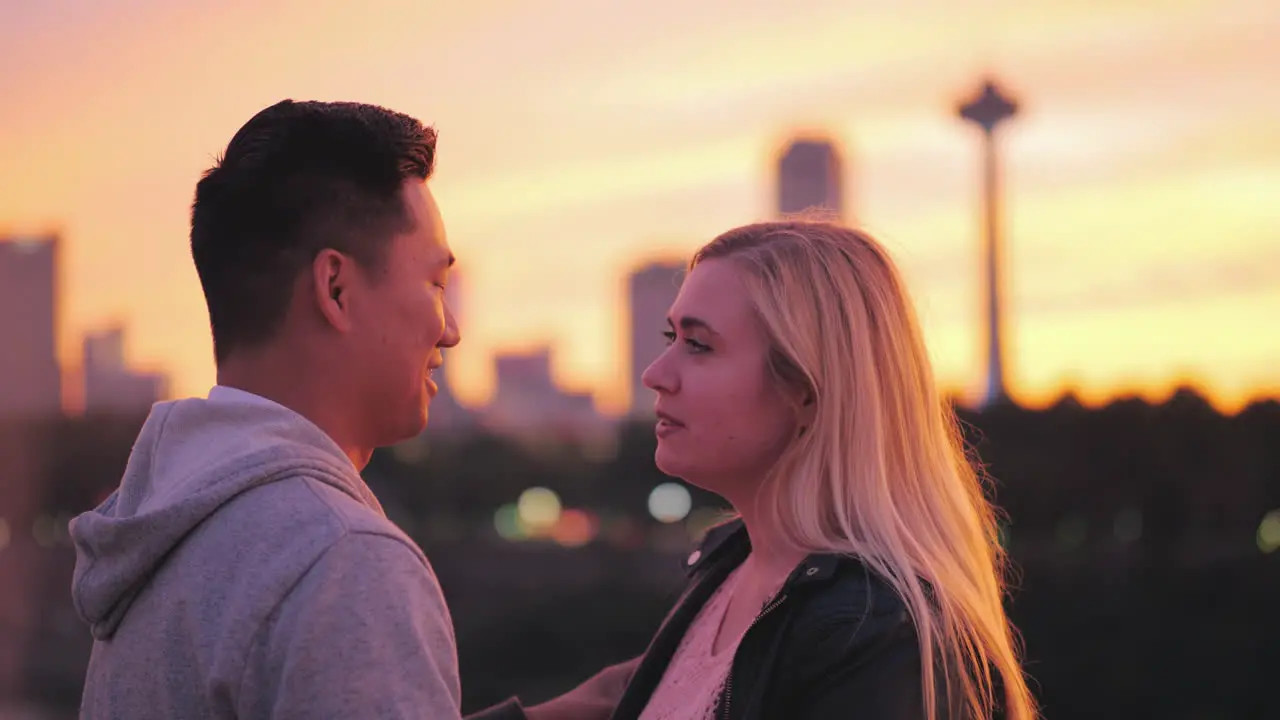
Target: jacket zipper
[728,681]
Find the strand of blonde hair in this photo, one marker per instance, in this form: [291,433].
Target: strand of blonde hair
[882,474]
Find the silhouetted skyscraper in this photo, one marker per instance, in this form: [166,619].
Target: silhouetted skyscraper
[30,375]
[650,292]
[110,385]
[988,110]
[528,403]
[811,175]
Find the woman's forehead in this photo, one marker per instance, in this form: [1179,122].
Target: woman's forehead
[714,294]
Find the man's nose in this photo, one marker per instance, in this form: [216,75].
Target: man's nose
[452,335]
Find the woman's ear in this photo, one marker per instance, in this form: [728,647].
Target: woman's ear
[807,412]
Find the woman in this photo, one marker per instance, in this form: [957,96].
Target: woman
[862,578]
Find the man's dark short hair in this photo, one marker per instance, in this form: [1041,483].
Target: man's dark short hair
[299,177]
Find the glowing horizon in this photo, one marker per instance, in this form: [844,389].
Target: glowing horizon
[1142,177]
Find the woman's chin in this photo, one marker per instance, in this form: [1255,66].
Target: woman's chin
[678,466]
[668,462]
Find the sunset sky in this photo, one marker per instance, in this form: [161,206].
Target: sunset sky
[581,137]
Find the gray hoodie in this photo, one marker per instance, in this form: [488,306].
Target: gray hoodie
[243,569]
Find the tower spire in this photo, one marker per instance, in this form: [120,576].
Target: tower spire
[989,109]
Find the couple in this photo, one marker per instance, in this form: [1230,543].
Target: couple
[243,569]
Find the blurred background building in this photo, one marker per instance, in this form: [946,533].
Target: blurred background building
[111,387]
[650,292]
[30,376]
[811,178]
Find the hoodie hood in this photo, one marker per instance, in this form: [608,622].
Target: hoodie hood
[191,458]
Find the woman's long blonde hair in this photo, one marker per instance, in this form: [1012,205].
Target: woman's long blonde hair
[882,473]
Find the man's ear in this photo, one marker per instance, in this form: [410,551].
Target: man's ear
[331,275]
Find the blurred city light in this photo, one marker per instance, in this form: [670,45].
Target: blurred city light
[575,528]
[539,510]
[1269,532]
[506,520]
[670,502]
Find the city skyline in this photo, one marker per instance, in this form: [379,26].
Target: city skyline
[35,381]
[1143,175]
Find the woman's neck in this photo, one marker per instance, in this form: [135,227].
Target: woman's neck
[772,557]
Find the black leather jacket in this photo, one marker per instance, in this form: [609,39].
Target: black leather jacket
[836,642]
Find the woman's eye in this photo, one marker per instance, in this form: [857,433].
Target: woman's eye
[693,345]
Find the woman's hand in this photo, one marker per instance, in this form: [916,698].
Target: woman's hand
[594,699]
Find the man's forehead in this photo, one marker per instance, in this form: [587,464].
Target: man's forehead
[431,254]
[427,234]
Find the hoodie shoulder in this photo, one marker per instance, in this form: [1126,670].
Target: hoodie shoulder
[200,613]
[343,515]
[222,511]
[303,516]
[367,602]
[207,479]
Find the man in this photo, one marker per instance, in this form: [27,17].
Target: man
[243,569]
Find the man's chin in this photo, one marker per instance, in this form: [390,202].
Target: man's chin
[423,417]
[420,420]
[413,426]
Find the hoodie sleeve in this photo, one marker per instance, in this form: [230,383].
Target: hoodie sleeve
[364,633]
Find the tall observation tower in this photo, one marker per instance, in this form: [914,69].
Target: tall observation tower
[989,109]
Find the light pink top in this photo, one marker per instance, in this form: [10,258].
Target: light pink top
[690,688]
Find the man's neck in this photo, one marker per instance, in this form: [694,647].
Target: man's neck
[295,391]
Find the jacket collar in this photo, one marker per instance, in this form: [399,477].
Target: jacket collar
[733,534]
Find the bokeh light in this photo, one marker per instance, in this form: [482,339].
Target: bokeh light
[539,509]
[506,520]
[670,502]
[1269,532]
[575,528]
